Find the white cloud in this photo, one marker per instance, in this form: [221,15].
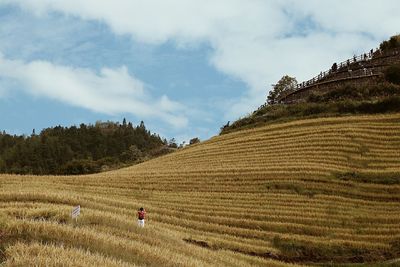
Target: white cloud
[256,41]
[110,91]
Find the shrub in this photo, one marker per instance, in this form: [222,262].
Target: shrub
[393,42]
[131,155]
[356,93]
[385,89]
[345,92]
[314,109]
[194,141]
[390,104]
[161,151]
[347,106]
[315,98]
[392,74]
[83,166]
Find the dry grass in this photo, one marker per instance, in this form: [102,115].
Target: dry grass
[37,254]
[304,192]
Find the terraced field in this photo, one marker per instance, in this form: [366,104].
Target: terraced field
[314,191]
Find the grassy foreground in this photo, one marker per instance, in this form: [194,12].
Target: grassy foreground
[320,191]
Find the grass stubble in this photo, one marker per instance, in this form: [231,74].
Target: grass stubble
[319,191]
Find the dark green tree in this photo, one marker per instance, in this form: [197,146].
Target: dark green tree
[78,150]
[283,87]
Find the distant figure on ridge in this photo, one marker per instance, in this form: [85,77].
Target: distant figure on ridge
[141,217]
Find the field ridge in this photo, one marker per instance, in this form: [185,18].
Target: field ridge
[316,191]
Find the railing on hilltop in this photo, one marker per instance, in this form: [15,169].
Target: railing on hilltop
[349,73]
[360,58]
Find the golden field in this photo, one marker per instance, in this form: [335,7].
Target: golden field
[280,195]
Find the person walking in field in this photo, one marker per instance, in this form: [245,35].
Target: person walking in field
[141,217]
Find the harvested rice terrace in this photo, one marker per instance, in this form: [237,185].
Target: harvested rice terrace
[270,196]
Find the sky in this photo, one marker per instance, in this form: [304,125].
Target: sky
[184,67]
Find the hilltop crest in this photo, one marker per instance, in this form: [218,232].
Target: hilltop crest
[365,84]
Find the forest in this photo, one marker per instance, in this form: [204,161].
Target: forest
[80,150]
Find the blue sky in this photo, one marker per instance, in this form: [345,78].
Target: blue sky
[183,67]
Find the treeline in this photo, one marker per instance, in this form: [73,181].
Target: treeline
[79,150]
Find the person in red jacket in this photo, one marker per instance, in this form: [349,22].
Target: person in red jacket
[141,217]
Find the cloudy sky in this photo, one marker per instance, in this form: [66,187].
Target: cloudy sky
[184,67]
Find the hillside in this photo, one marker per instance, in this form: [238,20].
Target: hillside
[322,106]
[309,191]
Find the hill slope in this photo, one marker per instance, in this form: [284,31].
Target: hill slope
[310,191]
